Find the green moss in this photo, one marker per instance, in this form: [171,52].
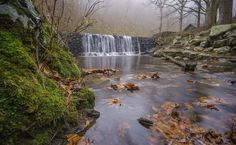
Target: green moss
[86,99]
[32,106]
[58,57]
[219,29]
[24,100]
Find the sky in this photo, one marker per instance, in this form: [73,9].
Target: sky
[134,17]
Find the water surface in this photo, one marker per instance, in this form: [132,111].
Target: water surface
[119,126]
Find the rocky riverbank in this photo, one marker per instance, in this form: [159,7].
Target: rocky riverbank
[215,44]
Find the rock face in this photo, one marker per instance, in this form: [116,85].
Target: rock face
[20,11]
[95,44]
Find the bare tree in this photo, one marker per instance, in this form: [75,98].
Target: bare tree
[160,4]
[91,7]
[198,9]
[181,7]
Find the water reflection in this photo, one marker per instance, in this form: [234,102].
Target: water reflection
[172,86]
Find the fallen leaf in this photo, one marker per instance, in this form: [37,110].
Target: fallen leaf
[128,86]
[114,102]
[123,129]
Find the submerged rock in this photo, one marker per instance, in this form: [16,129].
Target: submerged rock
[145,122]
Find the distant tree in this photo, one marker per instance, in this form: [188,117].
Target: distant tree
[91,7]
[181,7]
[225,11]
[198,9]
[160,4]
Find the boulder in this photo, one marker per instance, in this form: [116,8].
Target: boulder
[185,59]
[205,44]
[204,33]
[233,49]
[232,41]
[220,43]
[230,34]
[91,113]
[178,57]
[22,12]
[197,41]
[224,49]
[198,49]
[221,30]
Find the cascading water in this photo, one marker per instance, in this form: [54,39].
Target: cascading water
[100,45]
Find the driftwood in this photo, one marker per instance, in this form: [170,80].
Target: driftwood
[187,66]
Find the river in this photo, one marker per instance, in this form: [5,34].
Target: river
[118,125]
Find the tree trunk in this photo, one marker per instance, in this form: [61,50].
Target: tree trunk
[181,19]
[199,14]
[225,11]
[161,19]
[211,15]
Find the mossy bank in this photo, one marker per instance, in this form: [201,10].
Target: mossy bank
[33,106]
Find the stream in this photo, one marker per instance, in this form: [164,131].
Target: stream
[118,124]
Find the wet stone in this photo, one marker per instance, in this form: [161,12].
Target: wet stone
[145,122]
[91,113]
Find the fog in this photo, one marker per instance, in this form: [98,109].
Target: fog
[128,17]
[134,17]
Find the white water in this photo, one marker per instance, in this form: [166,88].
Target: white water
[108,45]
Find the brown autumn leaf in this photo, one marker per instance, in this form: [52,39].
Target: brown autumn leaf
[153,76]
[128,86]
[210,102]
[114,102]
[85,141]
[73,139]
[123,129]
[191,81]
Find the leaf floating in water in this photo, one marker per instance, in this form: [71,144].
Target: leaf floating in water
[114,102]
[154,76]
[128,86]
[123,129]
[210,102]
[191,81]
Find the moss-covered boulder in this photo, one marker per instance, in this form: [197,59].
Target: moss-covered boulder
[221,29]
[32,105]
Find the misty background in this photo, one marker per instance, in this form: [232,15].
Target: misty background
[135,17]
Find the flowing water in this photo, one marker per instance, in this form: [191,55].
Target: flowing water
[118,125]
[100,45]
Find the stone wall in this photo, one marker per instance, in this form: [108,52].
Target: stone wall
[75,44]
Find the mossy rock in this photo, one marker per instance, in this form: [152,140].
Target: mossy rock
[85,99]
[221,29]
[33,106]
[24,98]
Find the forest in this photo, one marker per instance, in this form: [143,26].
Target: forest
[117,72]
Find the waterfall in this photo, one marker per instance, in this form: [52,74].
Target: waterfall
[100,45]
